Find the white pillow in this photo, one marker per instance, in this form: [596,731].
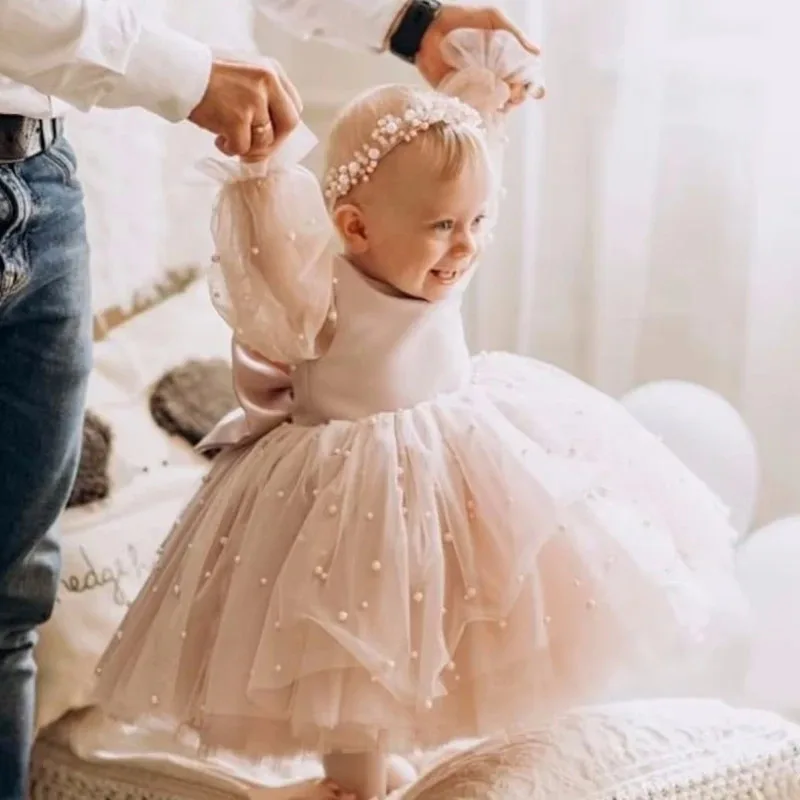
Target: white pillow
[132,358]
[108,550]
[676,749]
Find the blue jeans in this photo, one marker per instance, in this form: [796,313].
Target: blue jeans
[45,358]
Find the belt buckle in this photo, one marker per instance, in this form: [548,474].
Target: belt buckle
[16,138]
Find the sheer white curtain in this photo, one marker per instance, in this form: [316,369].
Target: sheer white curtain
[652,225]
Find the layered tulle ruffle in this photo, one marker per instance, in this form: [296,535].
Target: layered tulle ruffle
[471,564]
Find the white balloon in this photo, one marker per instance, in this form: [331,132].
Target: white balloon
[709,435]
[769,570]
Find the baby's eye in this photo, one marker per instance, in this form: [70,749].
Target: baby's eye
[444,225]
[479,220]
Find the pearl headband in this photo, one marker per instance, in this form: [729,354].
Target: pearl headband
[391,131]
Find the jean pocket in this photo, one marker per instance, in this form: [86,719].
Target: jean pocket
[15,211]
[60,155]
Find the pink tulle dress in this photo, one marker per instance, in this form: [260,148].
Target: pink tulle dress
[401,544]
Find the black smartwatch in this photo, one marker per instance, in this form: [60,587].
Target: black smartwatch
[407,38]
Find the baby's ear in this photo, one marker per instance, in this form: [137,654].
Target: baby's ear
[349,221]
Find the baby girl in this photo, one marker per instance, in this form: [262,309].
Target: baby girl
[400,544]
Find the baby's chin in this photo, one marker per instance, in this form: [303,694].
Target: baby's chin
[426,293]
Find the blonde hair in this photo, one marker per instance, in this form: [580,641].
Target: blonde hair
[445,148]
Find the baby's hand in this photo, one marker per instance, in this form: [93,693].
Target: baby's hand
[430,61]
[520,92]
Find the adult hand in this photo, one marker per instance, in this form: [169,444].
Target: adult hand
[250,107]
[429,60]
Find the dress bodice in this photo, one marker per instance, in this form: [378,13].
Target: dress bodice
[389,352]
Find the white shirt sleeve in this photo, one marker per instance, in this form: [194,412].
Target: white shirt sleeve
[100,53]
[364,24]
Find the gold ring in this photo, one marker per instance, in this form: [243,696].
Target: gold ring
[534,90]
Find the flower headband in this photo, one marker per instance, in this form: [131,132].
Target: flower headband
[390,131]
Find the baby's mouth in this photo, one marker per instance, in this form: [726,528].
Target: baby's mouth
[446,276]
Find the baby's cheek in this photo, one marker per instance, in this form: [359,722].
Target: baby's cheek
[415,254]
[438,248]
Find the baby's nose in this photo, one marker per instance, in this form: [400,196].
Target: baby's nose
[466,246]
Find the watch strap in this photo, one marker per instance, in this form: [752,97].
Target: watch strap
[406,40]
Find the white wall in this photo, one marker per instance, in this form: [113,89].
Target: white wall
[148,210]
[121,157]
[326,76]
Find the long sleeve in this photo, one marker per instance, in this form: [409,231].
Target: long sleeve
[101,53]
[273,277]
[363,24]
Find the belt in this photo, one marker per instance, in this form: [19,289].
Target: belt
[26,137]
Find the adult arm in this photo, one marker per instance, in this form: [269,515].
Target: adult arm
[102,53]
[370,24]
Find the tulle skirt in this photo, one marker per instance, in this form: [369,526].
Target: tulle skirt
[476,563]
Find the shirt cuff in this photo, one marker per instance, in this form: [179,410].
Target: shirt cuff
[168,73]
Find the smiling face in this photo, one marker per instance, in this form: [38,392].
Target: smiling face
[425,234]
[421,221]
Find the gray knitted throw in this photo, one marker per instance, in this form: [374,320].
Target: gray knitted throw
[190,399]
[92,482]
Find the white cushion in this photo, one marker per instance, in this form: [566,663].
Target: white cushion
[677,749]
[108,550]
[137,353]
